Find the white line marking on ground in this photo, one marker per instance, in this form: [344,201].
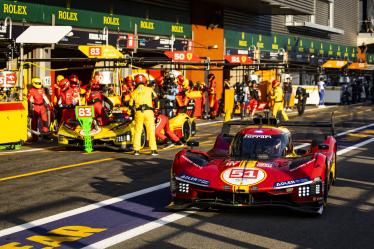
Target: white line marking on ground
[138,230]
[80,210]
[356,181]
[354,130]
[353,147]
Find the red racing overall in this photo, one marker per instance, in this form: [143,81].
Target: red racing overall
[67,105]
[162,123]
[37,98]
[96,98]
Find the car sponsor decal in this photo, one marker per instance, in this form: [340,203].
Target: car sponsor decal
[241,176]
[232,163]
[193,180]
[256,136]
[265,164]
[292,183]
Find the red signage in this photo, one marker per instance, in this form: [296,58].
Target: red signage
[130,41]
[8,79]
[238,59]
[182,56]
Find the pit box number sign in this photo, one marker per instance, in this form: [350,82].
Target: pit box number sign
[94,51]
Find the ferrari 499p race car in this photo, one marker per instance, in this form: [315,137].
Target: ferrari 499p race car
[257,165]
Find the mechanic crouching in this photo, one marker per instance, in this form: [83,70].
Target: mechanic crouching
[141,101]
[162,124]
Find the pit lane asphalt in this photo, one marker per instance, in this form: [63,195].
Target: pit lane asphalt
[344,224]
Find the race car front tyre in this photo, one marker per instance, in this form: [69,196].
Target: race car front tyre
[193,128]
[186,131]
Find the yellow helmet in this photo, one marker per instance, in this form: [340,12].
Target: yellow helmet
[59,77]
[36,82]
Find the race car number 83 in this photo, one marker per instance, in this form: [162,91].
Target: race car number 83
[84,112]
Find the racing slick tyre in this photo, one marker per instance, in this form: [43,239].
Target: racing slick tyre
[193,128]
[300,107]
[334,165]
[186,131]
[326,187]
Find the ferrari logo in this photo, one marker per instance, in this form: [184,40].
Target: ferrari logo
[189,56]
[243,59]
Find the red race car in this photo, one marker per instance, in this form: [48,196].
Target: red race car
[257,165]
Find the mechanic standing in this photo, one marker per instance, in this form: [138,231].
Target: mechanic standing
[141,100]
[287,90]
[213,102]
[66,101]
[277,96]
[38,102]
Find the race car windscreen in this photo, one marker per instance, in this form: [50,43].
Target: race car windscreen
[259,147]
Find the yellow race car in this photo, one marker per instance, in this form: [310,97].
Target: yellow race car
[118,134]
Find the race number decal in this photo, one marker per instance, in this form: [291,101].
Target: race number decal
[94,51]
[84,112]
[239,176]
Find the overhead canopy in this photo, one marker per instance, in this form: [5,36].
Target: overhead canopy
[43,34]
[334,64]
[361,66]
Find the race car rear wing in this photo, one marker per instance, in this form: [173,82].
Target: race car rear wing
[227,128]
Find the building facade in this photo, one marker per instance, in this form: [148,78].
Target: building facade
[309,31]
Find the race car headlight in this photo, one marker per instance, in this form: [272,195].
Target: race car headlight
[196,158]
[304,191]
[183,187]
[317,185]
[126,137]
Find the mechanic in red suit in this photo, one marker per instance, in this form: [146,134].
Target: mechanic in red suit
[75,85]
[180,96]
[212,91]
[38,102]
[255,96]
[95,97]
[66,101]
[162,123]
[128,87]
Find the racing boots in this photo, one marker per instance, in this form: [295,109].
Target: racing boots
[154,153]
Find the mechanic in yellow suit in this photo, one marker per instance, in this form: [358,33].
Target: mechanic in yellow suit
[141,100]
[277,96]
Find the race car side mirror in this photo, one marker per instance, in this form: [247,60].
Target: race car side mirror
[193,143]
[323,146]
